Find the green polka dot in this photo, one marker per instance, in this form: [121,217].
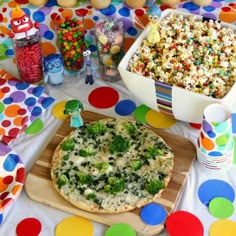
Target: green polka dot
[221,208]
[1,107]
[120,229]
[35,127]
[140,113]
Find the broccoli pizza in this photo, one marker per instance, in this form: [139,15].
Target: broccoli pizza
[111,165]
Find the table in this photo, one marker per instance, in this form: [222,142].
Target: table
[29,146]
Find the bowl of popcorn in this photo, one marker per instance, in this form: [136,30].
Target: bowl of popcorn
[192,66]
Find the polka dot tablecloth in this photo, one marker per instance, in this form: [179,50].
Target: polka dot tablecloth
[134,19]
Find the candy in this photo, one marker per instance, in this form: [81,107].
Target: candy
[29,58]
[70,38]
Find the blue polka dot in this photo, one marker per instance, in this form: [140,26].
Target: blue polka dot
[209,8]
[30,101]
[46,102]
[38,16]
[48,35]
[22,86]
[10,162]
[37,91]
[51,3]
[27,11]
[109,11]
[9,52]
[37,111]
[95,18]
[125,107]
[8,100]
[1,218]
[125,11]
[190,6]
[153,214]
[132,31]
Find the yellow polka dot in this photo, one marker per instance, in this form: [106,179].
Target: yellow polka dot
[159,120]
[58,109]
[76,226]
[218,228]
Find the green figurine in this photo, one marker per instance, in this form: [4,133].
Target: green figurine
[74,108]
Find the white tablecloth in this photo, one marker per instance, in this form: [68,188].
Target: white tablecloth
[29,146]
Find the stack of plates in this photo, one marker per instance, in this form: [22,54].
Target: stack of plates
[215,163]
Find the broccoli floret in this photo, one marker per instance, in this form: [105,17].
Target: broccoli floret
[154,186]
[91,196]
[102,167]
[130,127]
[119,144]
[86,152]
[136,164]
[83,178]
[114,185]
[152,152]
[62,180]
[68,145]
[97,128]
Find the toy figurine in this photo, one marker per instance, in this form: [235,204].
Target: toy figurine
[153,14]
[21,24]
[89,67]
[54,69]
[74,108]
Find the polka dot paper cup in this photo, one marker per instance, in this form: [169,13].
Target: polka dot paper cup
[215,137]
[12,178]
[70,32]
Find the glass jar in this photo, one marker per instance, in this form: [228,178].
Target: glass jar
[29,58]
[69,28]
[109,35]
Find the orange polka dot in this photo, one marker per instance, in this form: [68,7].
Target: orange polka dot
[2,131]
[12,4]
[11,110]
[1,94]
[67,13]
[127,43]
[4,30]
[3,186]
[90,12]
[88,24]
[227,16]
[48,48]
[16,189]
[141,21]
[19,121]
[207,144]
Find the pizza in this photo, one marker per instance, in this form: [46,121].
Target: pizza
[111,165]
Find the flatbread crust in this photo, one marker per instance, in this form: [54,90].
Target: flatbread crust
[69,165]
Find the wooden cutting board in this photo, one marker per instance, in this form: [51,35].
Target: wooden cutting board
[39,186]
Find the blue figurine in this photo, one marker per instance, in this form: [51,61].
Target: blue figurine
[54,69]
[74,108]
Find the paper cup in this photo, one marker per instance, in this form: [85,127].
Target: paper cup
[215,137]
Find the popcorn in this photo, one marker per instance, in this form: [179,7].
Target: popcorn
[194,55]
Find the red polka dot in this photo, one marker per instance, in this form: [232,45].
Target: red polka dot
[8,179]
[29,227]
[182,223]
[226,9]
[2,81]
[20,175]
[4,195]
[5,90]
[81,12]
[195,126]
[21,111]
[4,9]
[139,12]
[6,123]
[6,201]
[103,97]
[14,132]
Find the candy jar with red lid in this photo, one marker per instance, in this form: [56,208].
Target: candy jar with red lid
[27,46]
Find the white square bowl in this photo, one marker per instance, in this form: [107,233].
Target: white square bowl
[177,102]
